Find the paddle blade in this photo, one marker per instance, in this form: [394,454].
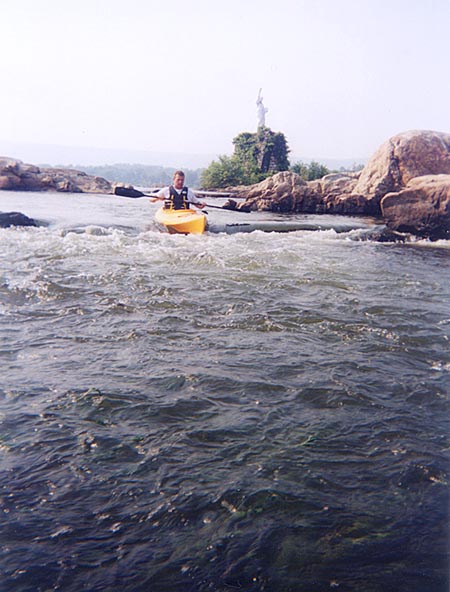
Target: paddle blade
[128,192]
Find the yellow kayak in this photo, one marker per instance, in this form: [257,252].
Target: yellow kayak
[181,221]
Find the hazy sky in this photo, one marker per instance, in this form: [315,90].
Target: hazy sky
[338,77]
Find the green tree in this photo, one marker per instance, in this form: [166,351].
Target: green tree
[311,171]
[225,172]
[141,174]
[256,156]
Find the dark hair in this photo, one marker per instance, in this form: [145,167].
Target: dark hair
[178,174]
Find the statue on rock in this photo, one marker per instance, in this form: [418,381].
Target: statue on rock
[261,110]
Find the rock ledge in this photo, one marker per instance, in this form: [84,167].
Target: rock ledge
[407,182]
[18,176]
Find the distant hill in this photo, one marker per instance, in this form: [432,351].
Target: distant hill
[331,163]
[79,156]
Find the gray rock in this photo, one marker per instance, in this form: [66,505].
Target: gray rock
[8,219]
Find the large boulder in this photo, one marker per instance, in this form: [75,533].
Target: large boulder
[336,194]
[421,208]
[400,159]
[283,192]
[16,175]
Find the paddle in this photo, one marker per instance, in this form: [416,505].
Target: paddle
[135,193]
[130,192]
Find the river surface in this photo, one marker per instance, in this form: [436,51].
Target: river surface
[254,411]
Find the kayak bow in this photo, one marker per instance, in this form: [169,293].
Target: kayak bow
[181,221]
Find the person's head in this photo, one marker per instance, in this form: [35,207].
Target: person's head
[178,179]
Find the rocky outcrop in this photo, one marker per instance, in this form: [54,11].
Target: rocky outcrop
[400,159]
[408,174]
[19,176]
[336,194]
[288,192]
[283,192]
[421,208]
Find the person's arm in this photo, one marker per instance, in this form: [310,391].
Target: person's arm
[162,195]
[192,198]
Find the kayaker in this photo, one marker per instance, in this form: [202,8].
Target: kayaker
[177,196]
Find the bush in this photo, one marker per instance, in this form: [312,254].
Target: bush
[311,171]
[256,157]
[223,173]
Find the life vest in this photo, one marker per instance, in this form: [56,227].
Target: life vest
[177,201]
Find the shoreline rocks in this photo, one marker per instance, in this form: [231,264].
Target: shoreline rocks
[287,192]
[16,175]
[406,182]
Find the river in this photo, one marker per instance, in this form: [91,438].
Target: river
[256,411]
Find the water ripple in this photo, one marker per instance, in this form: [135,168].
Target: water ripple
[258,412]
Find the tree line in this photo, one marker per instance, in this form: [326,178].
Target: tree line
[141,175]
[256,156]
